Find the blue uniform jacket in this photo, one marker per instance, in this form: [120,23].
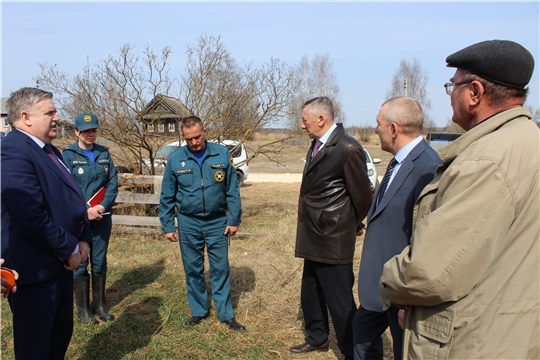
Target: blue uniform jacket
[91,177]
[43,216]
[210,190]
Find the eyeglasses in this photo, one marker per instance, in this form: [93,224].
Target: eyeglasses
[449,86]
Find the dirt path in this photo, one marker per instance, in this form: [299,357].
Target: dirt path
[279,178]
[266,177]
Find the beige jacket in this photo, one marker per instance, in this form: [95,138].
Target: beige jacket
[471,275]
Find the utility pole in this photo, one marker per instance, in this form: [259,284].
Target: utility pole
[404,87]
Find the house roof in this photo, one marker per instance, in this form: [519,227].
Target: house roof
[3,106]
[165,107]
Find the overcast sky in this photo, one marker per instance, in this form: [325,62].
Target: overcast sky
[365,40]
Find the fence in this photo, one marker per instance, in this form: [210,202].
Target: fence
[130,198]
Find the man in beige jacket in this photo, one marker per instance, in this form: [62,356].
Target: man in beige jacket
[469,281]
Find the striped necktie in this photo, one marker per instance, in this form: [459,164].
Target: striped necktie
[386,179]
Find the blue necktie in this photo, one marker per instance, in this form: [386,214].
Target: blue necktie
[386,179]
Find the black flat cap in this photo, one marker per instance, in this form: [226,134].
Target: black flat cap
[501,61]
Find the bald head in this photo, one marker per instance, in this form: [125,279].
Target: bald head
[406,112]
[399,122]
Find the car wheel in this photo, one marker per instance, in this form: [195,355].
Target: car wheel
[240,178]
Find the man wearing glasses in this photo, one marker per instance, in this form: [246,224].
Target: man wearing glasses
[469,281]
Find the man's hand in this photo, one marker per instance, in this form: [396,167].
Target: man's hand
[231,230]
[401,318]
[73,261]
[94,213]
[5,284]
[83,250]
[172,236]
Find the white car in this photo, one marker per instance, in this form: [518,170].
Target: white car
[238,152]
[372,171]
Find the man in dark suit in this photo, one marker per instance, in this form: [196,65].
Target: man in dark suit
[45,229]
[389,228]
[335,196]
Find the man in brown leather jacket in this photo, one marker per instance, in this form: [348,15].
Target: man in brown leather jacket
[335,196]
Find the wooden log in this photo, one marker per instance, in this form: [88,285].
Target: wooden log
[136,220]
[138,198]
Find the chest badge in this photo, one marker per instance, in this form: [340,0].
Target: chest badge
[183,163]
[219,176]
[106,169]
[80,171]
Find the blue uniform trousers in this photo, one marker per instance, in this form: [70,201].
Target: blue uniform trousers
[43,318]
[196,233]
[101,233]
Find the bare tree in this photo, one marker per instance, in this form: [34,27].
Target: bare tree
[535,115]
[312,79]
[411,80]
[233,100]
[116,90]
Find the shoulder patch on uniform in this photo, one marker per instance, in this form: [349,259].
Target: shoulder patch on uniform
[232,162]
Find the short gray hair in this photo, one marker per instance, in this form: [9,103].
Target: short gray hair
[24,99]
[190,122]
[406,112]
[323,104]
[497,94]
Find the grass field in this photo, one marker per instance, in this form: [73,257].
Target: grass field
[146,291]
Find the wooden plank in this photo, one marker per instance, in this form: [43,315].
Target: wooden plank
[135,220]
[139,179]
[138,198]
[138,220]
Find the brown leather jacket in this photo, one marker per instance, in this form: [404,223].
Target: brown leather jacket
[335,196]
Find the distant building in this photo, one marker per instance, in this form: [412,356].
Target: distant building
[163,115]
[4,128]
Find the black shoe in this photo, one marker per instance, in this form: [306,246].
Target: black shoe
[305,347]
[234,325]
[194,320]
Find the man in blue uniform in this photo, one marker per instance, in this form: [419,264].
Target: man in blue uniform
[199,182]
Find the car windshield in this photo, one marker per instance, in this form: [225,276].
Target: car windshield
[235,152]
[166,151]
[368,159]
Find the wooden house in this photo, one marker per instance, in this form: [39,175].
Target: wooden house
[162,116]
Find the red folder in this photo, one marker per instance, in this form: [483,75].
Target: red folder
[97,198]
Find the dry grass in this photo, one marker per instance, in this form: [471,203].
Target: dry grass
[146,291]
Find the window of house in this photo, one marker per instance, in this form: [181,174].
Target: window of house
[161,127]
[172,127]
[150,127]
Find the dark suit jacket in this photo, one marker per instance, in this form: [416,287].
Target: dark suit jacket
[390,224]
[334,199]
[43,216]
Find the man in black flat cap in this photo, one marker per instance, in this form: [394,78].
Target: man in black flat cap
[469,281]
